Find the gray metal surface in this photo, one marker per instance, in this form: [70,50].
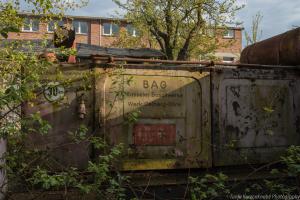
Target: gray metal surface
[255,115]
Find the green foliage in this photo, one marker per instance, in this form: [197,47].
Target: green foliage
[63,53]
[80,134]
[179,27]
[218,186]
[31,168]
[104,182]
[107,184]
[40,126]
[23,74]
[132,117]
[287,182]
[48,181]
[279,187]
[292,160]
[208,187]
[7,15]
[268,109]
[119,82]
[124,40]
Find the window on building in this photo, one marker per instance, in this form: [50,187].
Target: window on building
[110,29]
[52,25]
[106,29]
[228,34]
[228,59]
[131,30]
[30,25]
[80,27]
[115,29]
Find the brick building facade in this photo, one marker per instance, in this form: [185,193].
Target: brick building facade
[103,32]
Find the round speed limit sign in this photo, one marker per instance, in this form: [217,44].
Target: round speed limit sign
[54,91]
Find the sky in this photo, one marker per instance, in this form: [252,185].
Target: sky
[278,15]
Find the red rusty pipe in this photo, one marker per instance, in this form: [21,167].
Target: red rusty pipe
[283,49]
[106,59]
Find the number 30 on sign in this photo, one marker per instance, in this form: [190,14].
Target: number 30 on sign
[54,91]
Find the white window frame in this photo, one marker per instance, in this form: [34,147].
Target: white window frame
[55,26]
[110,29]
[227,61]
[30,25]
[79,27]
[226,34]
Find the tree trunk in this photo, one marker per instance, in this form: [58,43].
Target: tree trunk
[184,52]
[169,53]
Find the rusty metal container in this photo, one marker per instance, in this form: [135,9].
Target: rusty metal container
[283,49]
[255,114]
[162,116]
[178,117]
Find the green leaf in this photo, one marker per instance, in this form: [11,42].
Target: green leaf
[268,109]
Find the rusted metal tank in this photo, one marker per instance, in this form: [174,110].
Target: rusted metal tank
[283,49]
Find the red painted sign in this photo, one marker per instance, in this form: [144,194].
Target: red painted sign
[154,134]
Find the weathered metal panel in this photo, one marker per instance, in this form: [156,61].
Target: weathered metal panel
[62,114]
[171,108]
[255,115]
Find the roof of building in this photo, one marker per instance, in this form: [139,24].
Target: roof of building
[86,50]
[82,17]
[83,50]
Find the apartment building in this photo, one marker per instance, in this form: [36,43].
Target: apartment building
[232,48]
[104,31]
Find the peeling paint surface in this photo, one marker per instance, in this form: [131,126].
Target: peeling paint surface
[254,118]
[178,119]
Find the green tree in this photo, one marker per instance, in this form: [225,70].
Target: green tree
[23,76]
[255,32]
[125,40]
[180,26]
